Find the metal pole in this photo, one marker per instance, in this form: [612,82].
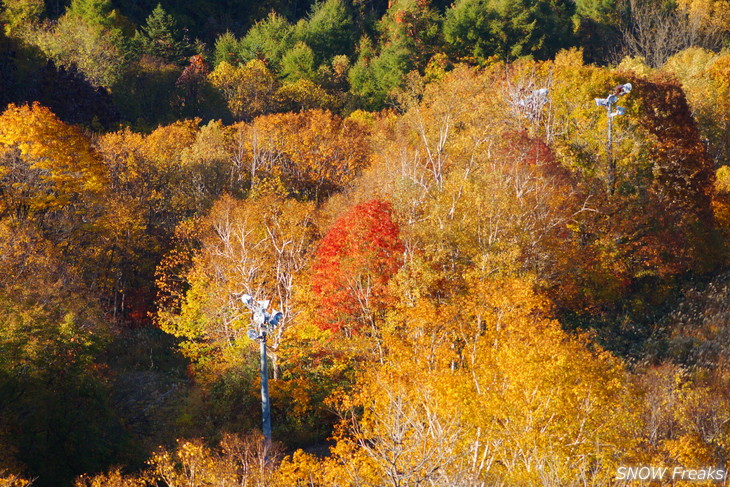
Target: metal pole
[609,149]
[265,409]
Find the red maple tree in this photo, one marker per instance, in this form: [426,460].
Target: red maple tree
[353,264]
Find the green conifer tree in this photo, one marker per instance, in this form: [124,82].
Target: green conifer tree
[162,37]
[298,63]
[467,30]
[93,12]
[328,30]
[268,40]
[410,34]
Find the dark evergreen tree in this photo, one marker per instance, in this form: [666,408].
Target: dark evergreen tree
[598,27]
[226,49]
[364,84]
[67,93]
[467,30]
[163,38]
[410,34]
[532,28]
[367,13]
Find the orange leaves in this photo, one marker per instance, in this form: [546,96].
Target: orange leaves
[721,201]
[683,175]
[313,152]
[54,181]
[46,164]
[520,400]
[165,145]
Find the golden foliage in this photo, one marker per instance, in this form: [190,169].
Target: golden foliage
[46,164]
[304,94]
[114,478]
[501,396]
[249,89]
[704,76]
[312,153]
[259,247]
[10,480]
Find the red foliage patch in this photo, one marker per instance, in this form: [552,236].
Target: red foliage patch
[353,265]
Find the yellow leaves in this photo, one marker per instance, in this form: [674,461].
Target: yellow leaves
[313,152]
[236,461]
[169,174]
[448,127]
[192,321]
[300,469]
[49,165]
[191,465]
[212,144]
[10,480]
[296,397]
[304,94]
[114,478]
[704,76]
[21,14]
[485,377]
[637,65]
[711,15]
[257,246]
[690,65]
[688,450]
[122,153]
[164,146]
[248,89]
[684,416]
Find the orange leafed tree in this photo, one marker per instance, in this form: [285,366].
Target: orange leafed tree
[353,265]
[312,153]
[45,165]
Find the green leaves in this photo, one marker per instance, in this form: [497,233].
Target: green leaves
[162,37]
[268,40]
[298,63]
[479,29]
[329,30]
[93,12]
[468,30]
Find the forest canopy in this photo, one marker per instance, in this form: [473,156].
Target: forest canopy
[498,234]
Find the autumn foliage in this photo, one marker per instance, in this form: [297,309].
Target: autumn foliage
[477,287]
[352,267]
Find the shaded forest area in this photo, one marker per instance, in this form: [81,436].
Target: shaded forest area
[478,288]
[100,63]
